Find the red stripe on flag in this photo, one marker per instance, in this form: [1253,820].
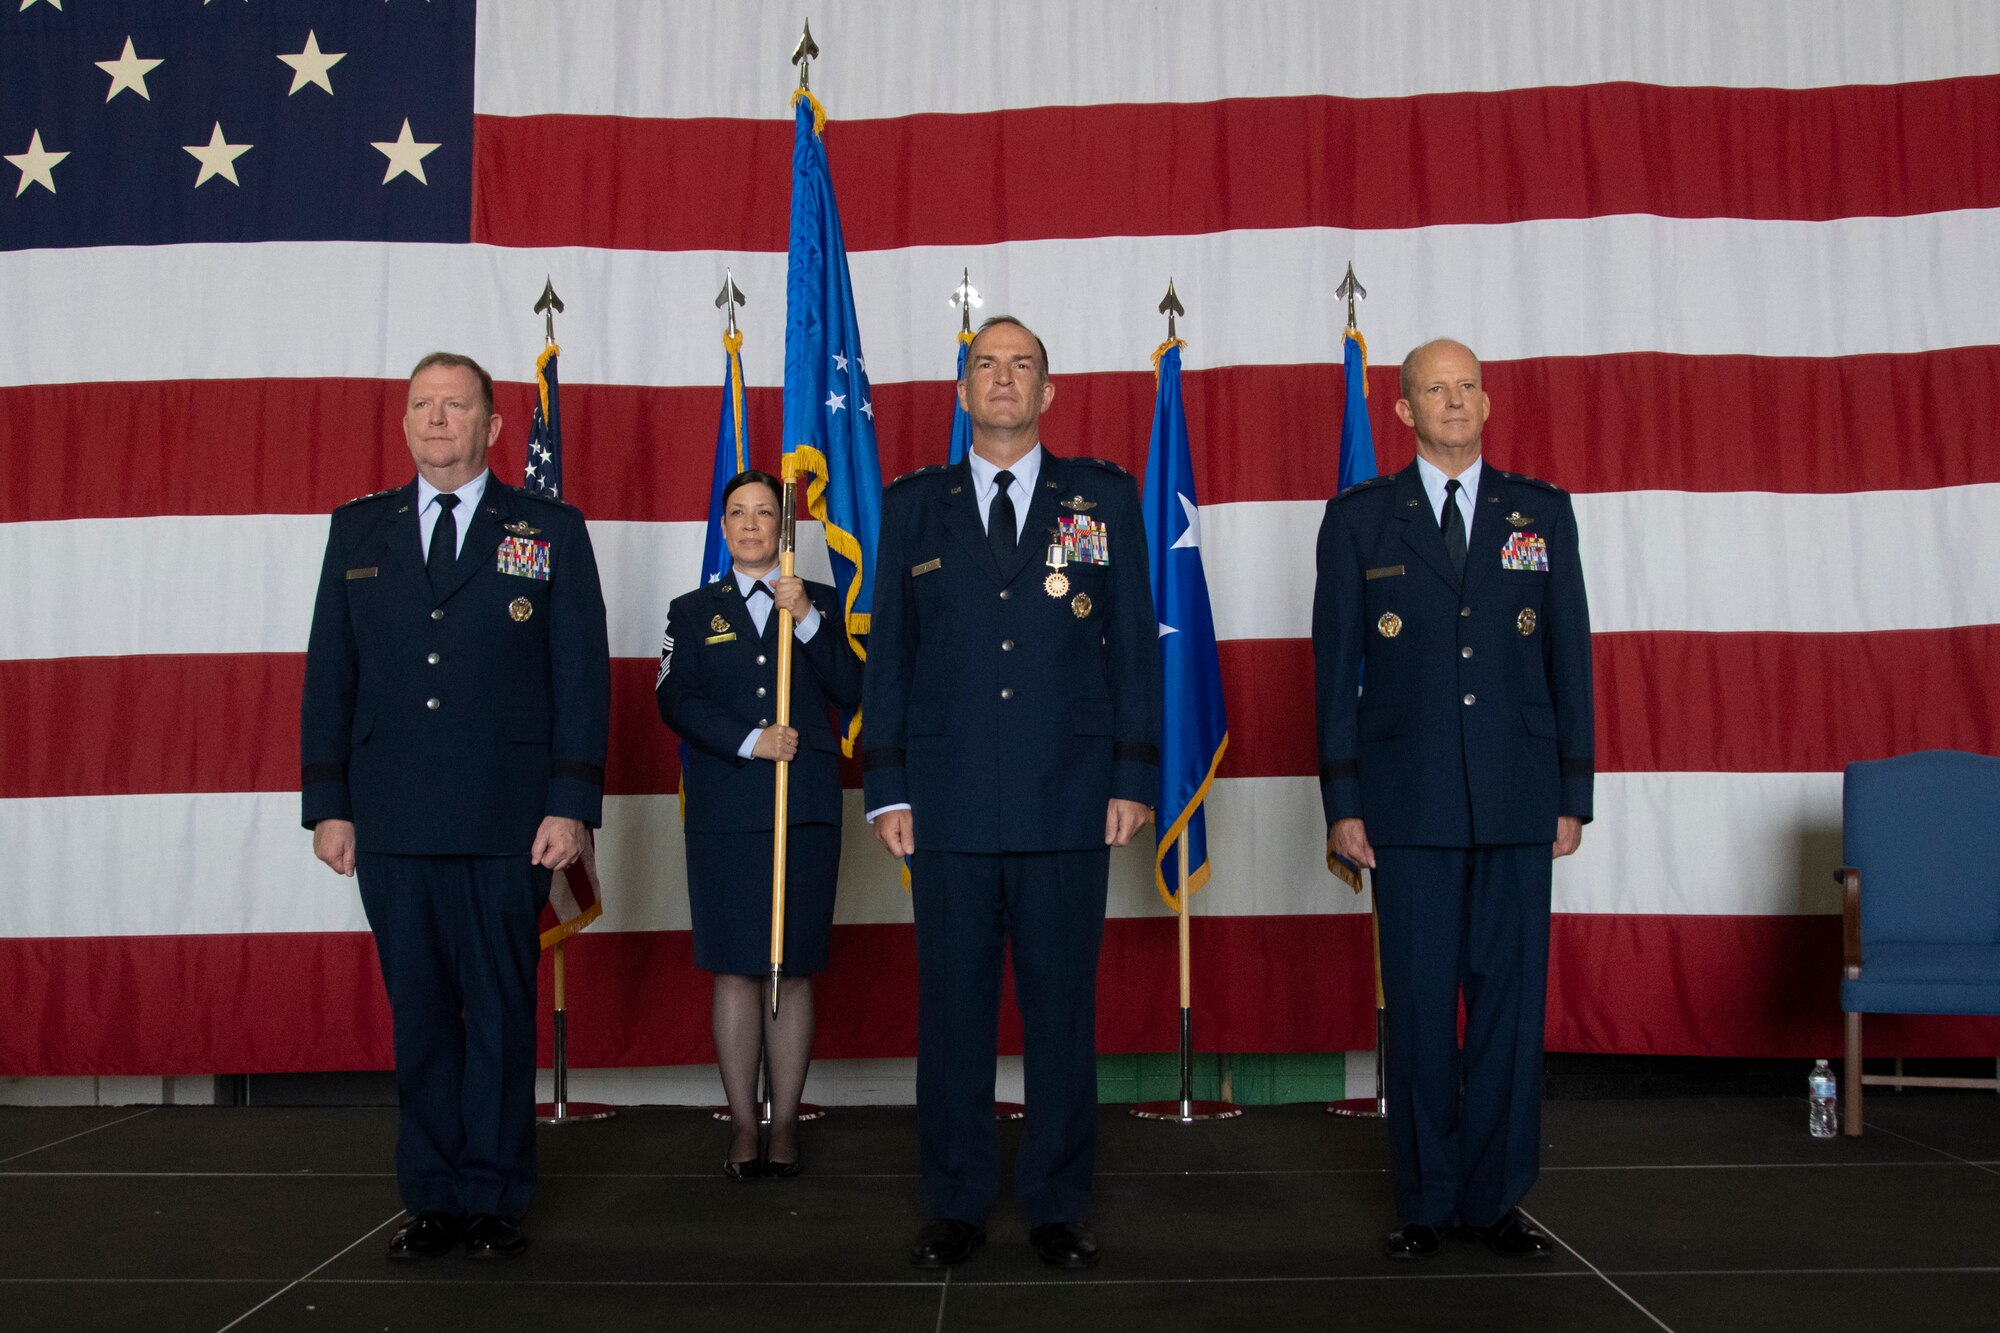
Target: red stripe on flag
[1742,703]
[1638,421]
[1740,986]
[1808,154]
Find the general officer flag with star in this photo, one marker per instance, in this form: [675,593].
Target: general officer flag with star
[829,412]
[1195,728]
[573,901]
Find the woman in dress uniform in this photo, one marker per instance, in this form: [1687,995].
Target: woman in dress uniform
[717,689]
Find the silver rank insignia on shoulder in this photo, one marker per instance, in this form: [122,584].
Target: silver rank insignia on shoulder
[718,624]
[520,527]
[1076,504]
[1519,520]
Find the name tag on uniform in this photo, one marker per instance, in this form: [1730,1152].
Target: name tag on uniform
[1385,572]
[926,567]
[524,557]
[1525,550]
[720,638]
[366,572]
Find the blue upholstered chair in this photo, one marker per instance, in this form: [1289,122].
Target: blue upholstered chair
[1922,903]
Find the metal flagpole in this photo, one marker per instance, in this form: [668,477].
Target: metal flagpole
[1186,1110]
[781,807]
[561,1111]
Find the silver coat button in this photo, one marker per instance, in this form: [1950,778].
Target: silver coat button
[760,659]
[1006,594]
[1465,610]
[1470,699]
[433,704]
[1007,693]
[432,659]
[1465,651]
[760,691]
[1006,645]
[438,614]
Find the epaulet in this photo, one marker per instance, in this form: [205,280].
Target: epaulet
[1104,463]
[527,494]
[922,472]
[1527,480]
[372,495]
[1380,479]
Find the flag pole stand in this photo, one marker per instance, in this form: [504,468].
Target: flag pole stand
[563,1111]
[1185,1110]
[1376,1107]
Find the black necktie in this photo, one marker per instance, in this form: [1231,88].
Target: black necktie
[1000,520]
[1454,529]
[757,586]
[444,545]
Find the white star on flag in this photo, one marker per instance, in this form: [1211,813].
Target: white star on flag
[405,155]
[37,166]
[546,455]
[1190,537]
[128,71]
[868,409]
[53,4]
[311,64]
[217,157]
[836,401]
[840,361]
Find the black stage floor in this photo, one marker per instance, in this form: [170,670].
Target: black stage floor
[1681,1214]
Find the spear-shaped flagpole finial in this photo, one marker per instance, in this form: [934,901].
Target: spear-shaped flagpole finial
[549,305]
[728,299]
[804,54]
[1350,288]
[1170,305]
[966,297]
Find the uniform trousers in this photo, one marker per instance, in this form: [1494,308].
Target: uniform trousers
[458,942]
[1049,907]
[1473,920]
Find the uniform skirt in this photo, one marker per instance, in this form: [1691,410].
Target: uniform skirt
[729,892]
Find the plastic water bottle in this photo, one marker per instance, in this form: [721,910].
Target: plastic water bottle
[1822,1102]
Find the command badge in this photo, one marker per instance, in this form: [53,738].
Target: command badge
[718,624]
[1518,519]
[1081,606]
[520,608]
[1056,585]
[1390,624]
[1525,622]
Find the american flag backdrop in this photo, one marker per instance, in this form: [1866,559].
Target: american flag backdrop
[1733,265]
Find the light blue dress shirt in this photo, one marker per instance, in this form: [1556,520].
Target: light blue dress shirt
[1434,479]
[985,481]
[428,511]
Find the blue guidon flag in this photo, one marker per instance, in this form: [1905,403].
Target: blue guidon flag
[1194,730]
[961,424]
[131,122]
[732,455]
[1357,464]
[829,408]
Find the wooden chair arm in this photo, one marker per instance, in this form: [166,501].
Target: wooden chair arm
[1849,880]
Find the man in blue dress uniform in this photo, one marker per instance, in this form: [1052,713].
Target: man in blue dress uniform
[1011,713]
[457,695]
[1452,594]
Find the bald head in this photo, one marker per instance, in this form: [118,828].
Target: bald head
[1419,352]
[1445,403]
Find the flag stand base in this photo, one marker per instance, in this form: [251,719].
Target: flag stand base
[807,1113]
[563,1111]
[1009,1111]
[1185,1110]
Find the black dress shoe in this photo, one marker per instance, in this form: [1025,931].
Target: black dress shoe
[777,1170]
[749,1170]
[1412,1240]
[945,1242]
[1064,1244]
[425,1236]
[1512,1238]
[490,1237]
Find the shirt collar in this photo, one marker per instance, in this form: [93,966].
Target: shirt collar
[468,494]
[1433,478]
[1025,469]
[744,581]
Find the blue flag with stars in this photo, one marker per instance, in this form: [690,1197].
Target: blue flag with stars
[961,424]
[541,469]
[829,412]
[1195,729]
[732,455]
